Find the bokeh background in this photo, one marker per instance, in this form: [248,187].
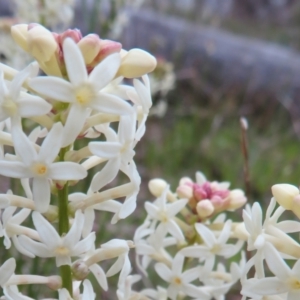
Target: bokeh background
[218,61]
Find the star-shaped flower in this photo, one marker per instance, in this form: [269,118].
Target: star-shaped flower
[40,165]
[83,90]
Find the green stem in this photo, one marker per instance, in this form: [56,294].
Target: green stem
[63,227]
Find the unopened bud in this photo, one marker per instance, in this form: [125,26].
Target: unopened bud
[157,186]
[20,33]
[205,208]
[185,191]
[80,270]
[41,43]
[186,180]
[89,47]
[136,63]
[236,199]
[284,194]
[54,282]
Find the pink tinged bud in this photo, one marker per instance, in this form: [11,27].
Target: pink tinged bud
[136,63]
[74,34]
[236,199]
[185,191]
[107,47]
[205,208]
[219,202]
[89,46]
[157,186]
[285,194]
[186,180]
[20,33]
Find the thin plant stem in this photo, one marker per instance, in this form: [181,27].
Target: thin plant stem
[63,227]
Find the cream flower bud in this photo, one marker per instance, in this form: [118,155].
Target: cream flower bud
[236,199]
[205,208]
[136,63]
[185,180]
[54,282]
[184,191]
[285,194]
[41,43]
[89,47]
[157,186]
[20,34]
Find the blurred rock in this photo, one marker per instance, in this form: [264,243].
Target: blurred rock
[248,66]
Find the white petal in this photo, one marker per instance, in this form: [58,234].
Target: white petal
[47,233]
[89,218]
[207,236]
[54,88]
[74,234]
[67,171]
[275,262]
[33,106]
[177,264]
[152,210]
[84,245]
[175,230]
[51,144]
[116,267]
[100,276]
[14,169]
[74,62]
[34,247]
[105,72]
[105,149]
[41,193]
[163,271]
[175,207]
[106,175]
[88,292]
[7,270]
[111,104]
[74,124]
[23,147]
[62,260]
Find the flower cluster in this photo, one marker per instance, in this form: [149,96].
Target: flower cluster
[81,119]
[273,244]
[187,243]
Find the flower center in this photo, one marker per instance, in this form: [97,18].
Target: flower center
[62,250]
[215,249]
[163,217]
[39,169]
[177,280]
[294,283]
[84,94]
[9,106]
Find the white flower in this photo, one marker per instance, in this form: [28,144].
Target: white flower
[83,90]
[165,213]
[62,248]
[15,103]
[141,97]
[179,282]
[213,246]
[118,150]
[41,166]
[10,227]
[286,280]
